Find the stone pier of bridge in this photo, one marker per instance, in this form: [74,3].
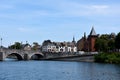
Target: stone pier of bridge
[1,56]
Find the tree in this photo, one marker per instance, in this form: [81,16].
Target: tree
[35,46]
[46,42]
[98,44]
[117,41]
[101,43]
[105,43]
[111,44]
[16,45]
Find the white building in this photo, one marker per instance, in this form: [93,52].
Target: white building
[49,48]
[59,47]
[71,47]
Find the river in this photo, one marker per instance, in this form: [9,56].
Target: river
[57,70]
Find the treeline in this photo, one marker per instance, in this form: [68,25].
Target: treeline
[18,46]
[108,58]
[109,47]
[108,43]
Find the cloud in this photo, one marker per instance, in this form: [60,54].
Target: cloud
[100,6]
[99,9]
[61,8]
[26,30]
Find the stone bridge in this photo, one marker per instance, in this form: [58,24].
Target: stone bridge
[38,55]
[21,54]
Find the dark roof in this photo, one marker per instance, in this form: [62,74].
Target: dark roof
[93,33]
[24,45]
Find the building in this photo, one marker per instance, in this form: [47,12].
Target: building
[91,40]
[66,47]
[87,43]
[49,46]
[26,47]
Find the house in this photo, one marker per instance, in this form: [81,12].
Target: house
[49,46]
[26,47]
[66,46]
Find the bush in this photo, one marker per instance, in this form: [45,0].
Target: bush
[108,58]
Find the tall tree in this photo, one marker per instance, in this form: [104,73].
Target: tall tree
[117,41]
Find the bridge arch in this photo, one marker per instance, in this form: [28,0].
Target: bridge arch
[16,55]
[36,56]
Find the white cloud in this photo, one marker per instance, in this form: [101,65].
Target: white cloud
[100,6]
[62,8]
[23,29]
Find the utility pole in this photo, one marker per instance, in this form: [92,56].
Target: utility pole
[1,45]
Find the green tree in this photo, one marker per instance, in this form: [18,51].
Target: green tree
[117,41]
[36,46]
[16,45]
[111,45]
[105,43]
[98,44]
[101,43]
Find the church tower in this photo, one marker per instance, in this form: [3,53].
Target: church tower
[91,40]
[73,41]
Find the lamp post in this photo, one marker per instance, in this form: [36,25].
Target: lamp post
[1,45]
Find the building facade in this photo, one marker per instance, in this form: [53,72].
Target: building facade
[49,46]
[87,43]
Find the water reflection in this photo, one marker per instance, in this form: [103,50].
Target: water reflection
[10,59]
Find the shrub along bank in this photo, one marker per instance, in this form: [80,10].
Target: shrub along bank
[108,58]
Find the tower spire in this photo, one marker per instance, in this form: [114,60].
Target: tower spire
[93,33]
[73,40]
[85,35]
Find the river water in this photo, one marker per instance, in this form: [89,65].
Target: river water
[57,70]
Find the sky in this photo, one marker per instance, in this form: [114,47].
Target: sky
[57,20]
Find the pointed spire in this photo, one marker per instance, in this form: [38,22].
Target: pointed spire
[85,35]
[93,33]
[73,39]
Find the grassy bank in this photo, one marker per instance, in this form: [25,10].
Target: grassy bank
[108,58]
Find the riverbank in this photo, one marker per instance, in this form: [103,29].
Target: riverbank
[89,58]
[108,58]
